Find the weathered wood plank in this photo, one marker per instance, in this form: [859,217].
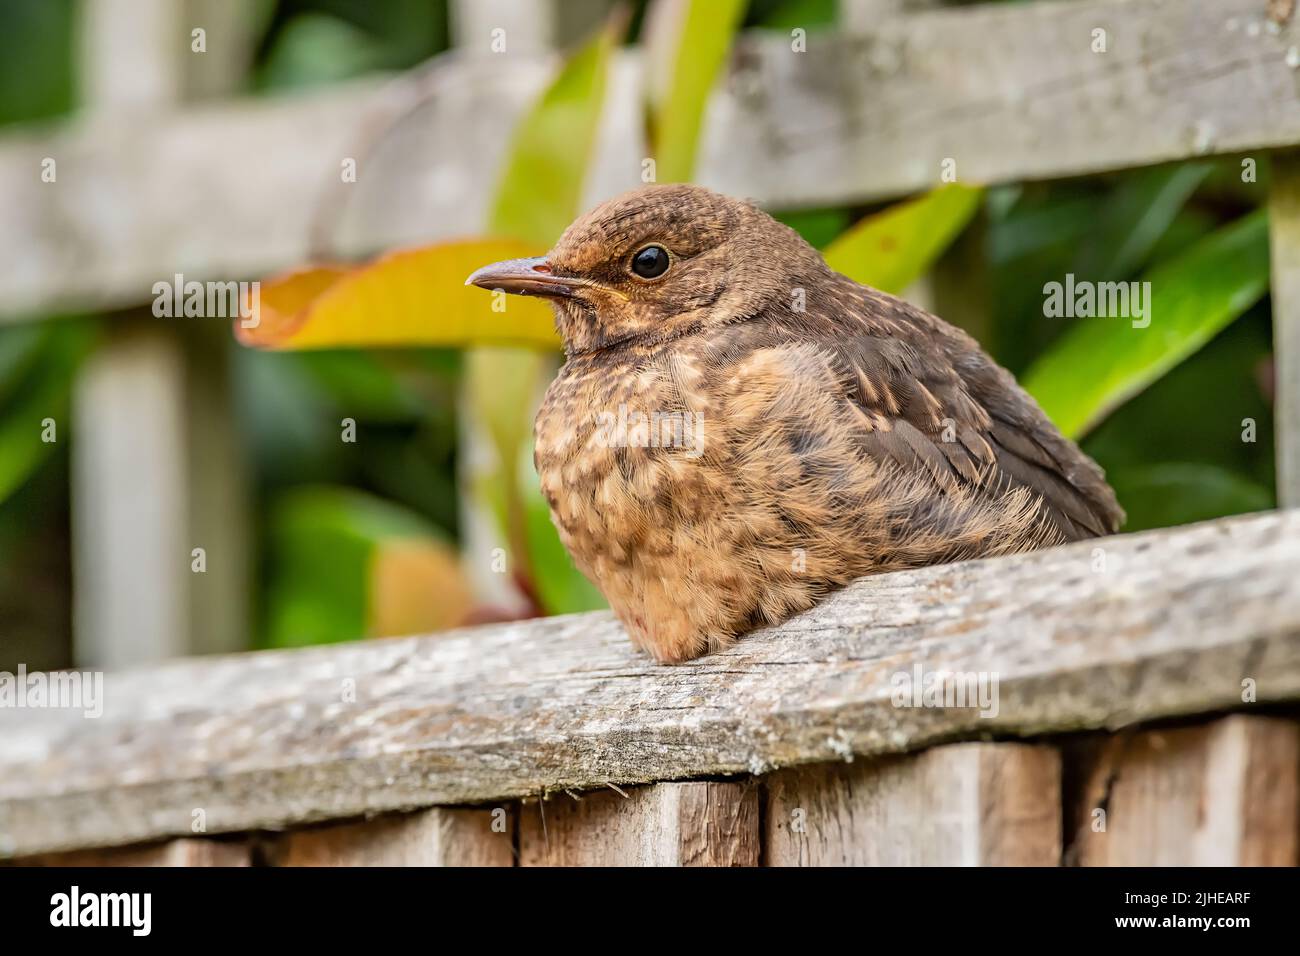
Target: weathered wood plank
[187,851]
[1284,243]
[437,837]
[1172,626]
[1009,91]
[1224,794]
[669,824]
[972,804]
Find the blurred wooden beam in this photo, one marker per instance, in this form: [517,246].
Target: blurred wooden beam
[140,54]
[129,499]
[1284,241]
[1174,626]
[1008,91]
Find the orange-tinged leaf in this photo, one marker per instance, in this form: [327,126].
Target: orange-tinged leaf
[414,297]
[281,304]
[417,586]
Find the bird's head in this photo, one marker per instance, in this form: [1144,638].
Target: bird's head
[658,263]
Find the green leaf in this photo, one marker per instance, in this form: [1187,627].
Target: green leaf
[1135,217]
[41,392]
[339,556]
[1174,493]
[819,227]
[892,249]
[686,45]
[1031,226]
[1102,362]
[786,15]
[541,187]
[37,52]
[1200,412]
[315,49]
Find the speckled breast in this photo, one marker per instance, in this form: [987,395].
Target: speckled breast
[617,450]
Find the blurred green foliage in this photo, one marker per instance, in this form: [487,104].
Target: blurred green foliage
[1104,360]
[322,546]
[312,42]
[1166,413]
[1175,451]
[36,52]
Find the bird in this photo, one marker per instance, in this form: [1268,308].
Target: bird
[737,431]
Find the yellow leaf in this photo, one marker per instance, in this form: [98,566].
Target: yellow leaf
[415,297]
[894,248]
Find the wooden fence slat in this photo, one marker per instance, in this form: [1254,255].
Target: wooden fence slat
[857,116]
[187,851]
[1284,242]
[436,837]
[668,824]
[129,500]
[1223,794]
[972,804]
[1172,626]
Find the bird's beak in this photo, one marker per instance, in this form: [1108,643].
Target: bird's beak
[524,277]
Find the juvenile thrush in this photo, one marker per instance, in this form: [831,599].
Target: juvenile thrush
[738,430]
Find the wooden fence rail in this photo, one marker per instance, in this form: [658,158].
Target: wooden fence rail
[1093,636]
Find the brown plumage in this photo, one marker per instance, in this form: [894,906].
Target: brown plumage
[804,430]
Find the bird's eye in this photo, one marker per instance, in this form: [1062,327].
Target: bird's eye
[650,262]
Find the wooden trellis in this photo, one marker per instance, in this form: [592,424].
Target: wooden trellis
[1145,699]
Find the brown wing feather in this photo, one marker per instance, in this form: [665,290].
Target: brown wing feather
[941,406]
